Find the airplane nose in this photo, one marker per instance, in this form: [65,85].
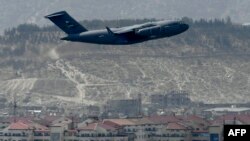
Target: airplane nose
[65,38]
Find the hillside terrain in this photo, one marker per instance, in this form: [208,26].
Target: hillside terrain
[211,61]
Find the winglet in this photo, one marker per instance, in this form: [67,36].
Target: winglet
[110,31]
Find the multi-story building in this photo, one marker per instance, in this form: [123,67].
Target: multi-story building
[30,131]
[89,132]
[25,131]
[124,107]
[171,99]
[139,129]
[173,132]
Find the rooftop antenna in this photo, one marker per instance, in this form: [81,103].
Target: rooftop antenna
[72,121]
[139,104]
[14,107]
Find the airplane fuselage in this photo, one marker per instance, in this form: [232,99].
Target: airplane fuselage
[138,33]
[116,36]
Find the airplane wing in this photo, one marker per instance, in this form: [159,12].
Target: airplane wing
[125,30]
[133,28]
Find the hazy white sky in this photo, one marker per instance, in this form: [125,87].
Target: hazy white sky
[14,12]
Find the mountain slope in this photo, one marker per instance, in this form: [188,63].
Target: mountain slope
[211,61]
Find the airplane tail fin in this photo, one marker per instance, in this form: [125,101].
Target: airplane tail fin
[65,22]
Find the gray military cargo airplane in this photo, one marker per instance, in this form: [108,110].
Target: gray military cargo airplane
[116,36]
